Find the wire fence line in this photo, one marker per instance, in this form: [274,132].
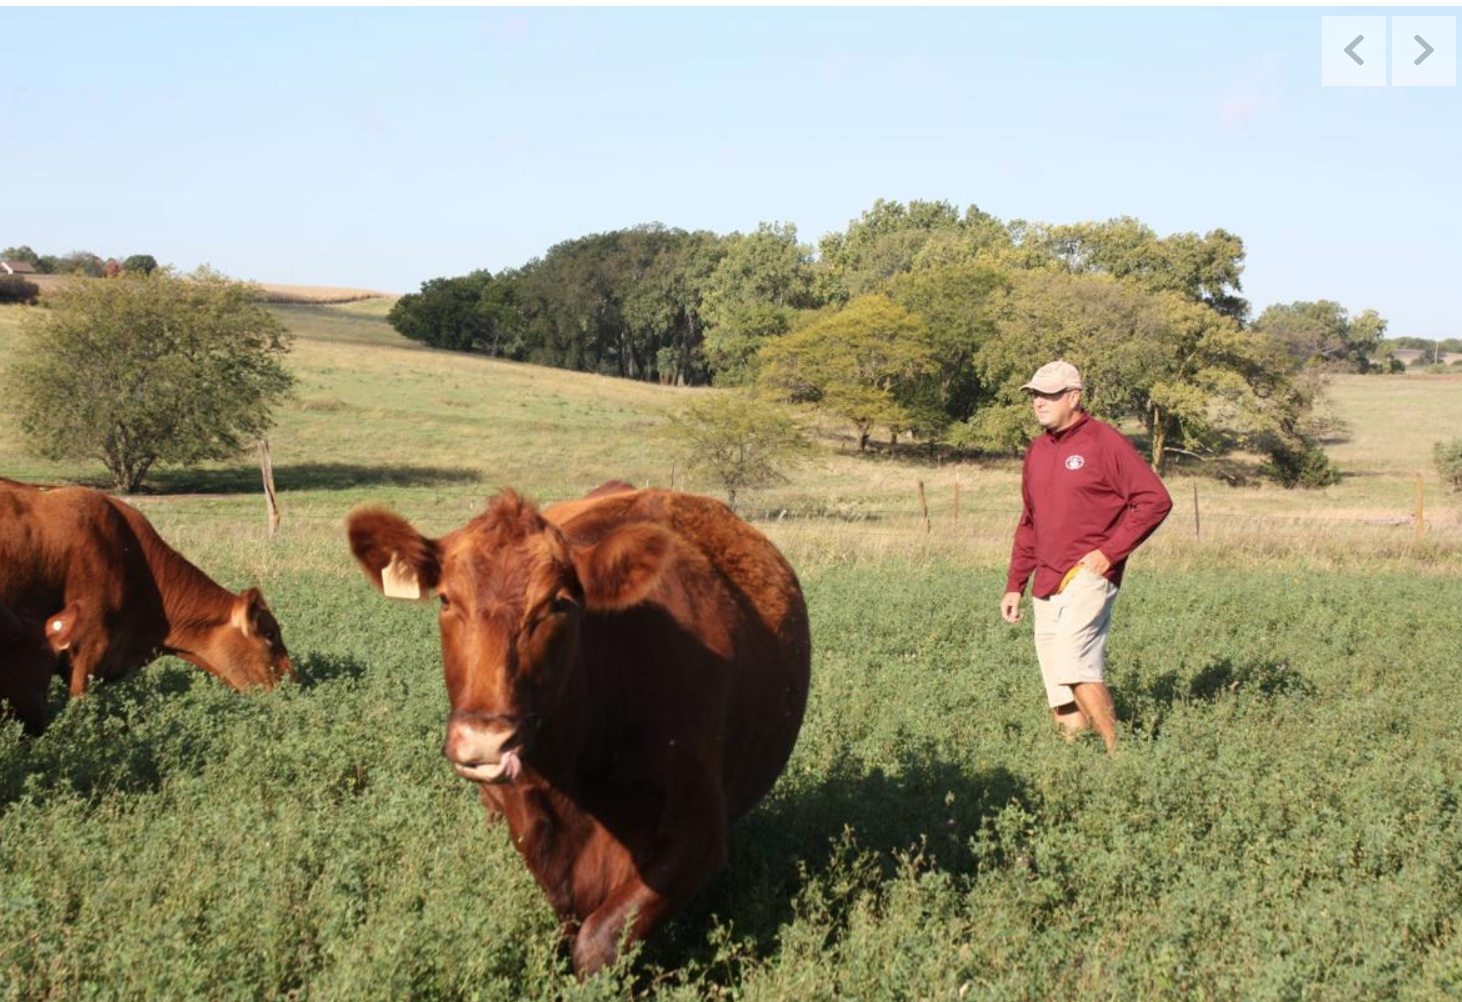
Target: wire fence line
[911,518]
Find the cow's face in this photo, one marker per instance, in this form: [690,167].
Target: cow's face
[511,594]
[246,651]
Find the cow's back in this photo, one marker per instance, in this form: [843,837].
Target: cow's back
[766,691]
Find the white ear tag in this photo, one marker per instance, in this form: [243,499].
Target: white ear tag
[398,580]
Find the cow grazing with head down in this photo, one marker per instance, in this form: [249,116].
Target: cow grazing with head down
[140,598]
[627,676]
[29,654]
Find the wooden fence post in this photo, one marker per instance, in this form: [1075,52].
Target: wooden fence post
[924,504]
[1197,522]
[1420,508]
[266,467]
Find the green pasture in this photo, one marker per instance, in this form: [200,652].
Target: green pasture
[1282,821]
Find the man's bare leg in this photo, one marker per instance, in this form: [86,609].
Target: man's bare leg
[1094,701]
[1070,719]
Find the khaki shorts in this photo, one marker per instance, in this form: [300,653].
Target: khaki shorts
[1071,635]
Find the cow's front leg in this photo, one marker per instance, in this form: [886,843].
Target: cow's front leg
[81,672]
[685,858]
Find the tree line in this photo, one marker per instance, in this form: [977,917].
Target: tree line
[922,320]
[80,262]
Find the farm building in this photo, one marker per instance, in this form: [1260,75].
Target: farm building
[16,268]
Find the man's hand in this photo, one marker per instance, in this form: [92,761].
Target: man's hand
[1010,607]
[1096,561]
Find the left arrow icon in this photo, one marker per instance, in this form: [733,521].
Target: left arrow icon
[1350,50]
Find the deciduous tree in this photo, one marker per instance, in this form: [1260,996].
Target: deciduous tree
[737,441]
[863,363]
[147,370]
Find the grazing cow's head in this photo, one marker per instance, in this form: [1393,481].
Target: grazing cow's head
[512,591]
[247,650]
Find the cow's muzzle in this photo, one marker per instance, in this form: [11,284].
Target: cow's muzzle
[484,747]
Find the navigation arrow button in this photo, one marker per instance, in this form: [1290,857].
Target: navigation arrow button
[1429,49]
[1350,50]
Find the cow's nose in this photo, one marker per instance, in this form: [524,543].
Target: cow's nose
[475,739]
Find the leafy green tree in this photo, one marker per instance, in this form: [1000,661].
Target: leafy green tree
[147,370]
[731,346]
[450,313]
[662,302]
[958,304]
[78,263]
[864,363]
[1324,335]
[737,441]
[145,263]
[892,238]
[1206,269]
[626,303]
[1196,380]
[1448,457]
[766,267]
[21,253]
[760,283]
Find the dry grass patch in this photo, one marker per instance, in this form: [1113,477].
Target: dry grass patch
[319,294]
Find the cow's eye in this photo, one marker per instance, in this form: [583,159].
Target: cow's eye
[445,601]
[561,604]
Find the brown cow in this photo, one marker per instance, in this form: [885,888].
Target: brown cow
[29,654]
[141,598]
[627,677]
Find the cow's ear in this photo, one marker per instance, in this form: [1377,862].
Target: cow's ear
[247,610]
[401,561]
[622,568]
[61,628]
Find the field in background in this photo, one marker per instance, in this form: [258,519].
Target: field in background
[320,294]
[1283,820]
[272,292]
[377,417]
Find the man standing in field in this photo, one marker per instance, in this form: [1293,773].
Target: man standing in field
[1090,500]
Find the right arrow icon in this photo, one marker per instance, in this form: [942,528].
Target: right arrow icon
[1428,49]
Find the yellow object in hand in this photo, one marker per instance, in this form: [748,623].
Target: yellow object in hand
[1067,579]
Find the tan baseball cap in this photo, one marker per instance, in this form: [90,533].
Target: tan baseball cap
[1053,377]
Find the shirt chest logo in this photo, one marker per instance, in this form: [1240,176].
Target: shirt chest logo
[1075,462]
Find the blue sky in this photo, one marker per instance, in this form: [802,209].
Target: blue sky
[378,148]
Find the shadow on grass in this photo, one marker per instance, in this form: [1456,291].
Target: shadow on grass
[321,669]
[932,809]
[309,477]
[1148,706]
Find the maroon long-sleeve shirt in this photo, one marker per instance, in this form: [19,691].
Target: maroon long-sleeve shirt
[1085,489]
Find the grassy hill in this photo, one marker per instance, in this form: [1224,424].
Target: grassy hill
[377,417]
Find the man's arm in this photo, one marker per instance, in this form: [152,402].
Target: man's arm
[1023,552]
[1147,499]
